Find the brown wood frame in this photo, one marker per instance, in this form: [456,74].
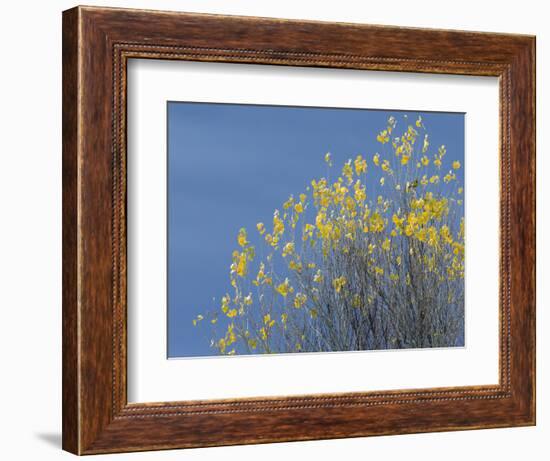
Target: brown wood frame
[97,43]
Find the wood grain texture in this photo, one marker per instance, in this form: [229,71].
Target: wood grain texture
[97,43]
[70,384]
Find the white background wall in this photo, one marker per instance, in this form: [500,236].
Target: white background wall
[30,227]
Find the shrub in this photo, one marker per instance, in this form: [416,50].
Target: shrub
[340,270]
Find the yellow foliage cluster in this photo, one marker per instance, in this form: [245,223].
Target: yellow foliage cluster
[343,243]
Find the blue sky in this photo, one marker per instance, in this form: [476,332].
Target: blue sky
[231,165]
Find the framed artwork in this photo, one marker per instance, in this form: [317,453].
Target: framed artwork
[282,230]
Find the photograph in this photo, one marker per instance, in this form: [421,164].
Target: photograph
[313,229]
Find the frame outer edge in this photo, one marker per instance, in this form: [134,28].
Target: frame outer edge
[70,178]
[533,54]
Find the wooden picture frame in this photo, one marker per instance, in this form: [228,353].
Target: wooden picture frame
[97,43]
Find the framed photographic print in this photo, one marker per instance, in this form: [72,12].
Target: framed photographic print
[284,230]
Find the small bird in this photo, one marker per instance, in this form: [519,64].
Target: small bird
[412,185]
